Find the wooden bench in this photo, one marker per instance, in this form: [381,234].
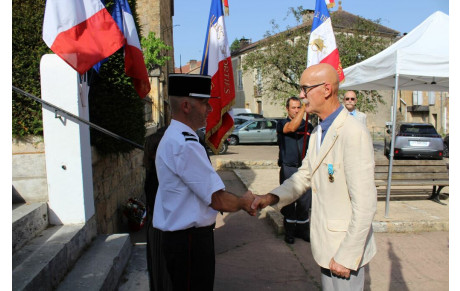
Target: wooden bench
[414,173]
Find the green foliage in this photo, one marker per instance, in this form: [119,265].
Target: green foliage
[27,50]
[114,104]
[154,51]
[281,58]
[281,61]
[235,45]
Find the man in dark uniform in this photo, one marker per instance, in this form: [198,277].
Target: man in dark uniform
[156,265]
[293,136]
[190,192]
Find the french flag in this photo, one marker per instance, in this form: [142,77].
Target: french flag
[80,32]
[321,46]
[217,63]
[134,58]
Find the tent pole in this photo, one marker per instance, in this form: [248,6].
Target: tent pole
[392,148]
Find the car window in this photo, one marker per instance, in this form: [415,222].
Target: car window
[271,124]
[239,121]
[418,129]
[254,125]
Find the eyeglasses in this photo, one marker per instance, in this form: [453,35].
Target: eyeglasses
[305,89]
[349,98]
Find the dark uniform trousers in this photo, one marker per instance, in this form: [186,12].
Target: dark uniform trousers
[296,214]
[190,258]
[158,274]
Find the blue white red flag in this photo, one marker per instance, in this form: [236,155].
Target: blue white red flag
[217,63]
[322,47]
[134,58]
[80,32]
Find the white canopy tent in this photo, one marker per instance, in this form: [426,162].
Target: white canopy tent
[419,61]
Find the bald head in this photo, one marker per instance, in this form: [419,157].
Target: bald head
[323,73]
[321,83]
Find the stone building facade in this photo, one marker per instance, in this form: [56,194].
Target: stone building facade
[156,16]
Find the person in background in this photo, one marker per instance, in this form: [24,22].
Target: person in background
[190,192]
[350,100]
[156,265]
[339,168]
[293,136]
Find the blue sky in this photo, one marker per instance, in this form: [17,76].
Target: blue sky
[251,18]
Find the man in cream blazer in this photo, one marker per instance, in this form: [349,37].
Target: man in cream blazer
[339,168]
[350,100]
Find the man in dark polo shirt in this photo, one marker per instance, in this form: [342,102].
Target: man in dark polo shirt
[293,137]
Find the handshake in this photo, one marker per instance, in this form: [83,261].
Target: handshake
[251,203]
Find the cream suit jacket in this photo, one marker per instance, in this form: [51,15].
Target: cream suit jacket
[361,117]
[342,210]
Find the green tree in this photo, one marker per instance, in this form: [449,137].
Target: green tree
[281,57]
[27,50]
[154,51]
[235,45]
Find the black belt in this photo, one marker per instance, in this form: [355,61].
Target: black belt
[192,230]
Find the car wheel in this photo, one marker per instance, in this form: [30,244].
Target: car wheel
[445,152]
[223,149]
[233,140]
[385,150]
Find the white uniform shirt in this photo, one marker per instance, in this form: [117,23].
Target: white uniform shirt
[186,179]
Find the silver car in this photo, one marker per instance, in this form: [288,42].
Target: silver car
[258,130]
[415,140]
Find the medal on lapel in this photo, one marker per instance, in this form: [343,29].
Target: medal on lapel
[330,170]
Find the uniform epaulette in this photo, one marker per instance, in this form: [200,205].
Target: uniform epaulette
[189,136]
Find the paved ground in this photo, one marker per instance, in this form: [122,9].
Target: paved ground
[251,256]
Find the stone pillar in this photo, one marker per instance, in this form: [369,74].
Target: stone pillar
[67,144]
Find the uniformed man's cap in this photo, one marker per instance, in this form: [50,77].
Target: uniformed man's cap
[183,85]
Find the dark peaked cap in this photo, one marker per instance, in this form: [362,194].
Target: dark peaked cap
[183,85]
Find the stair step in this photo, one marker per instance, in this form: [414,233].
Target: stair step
[136,275]
[101,266]
[43,262]
[28,220]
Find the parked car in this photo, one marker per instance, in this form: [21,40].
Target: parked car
[253,115]
[201,132]
[237,120]
[446,147]
[415,140]
[257,130]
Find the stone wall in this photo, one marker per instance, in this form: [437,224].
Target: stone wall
[116,178]
[29,170]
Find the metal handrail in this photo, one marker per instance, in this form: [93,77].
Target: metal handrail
[67,114]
